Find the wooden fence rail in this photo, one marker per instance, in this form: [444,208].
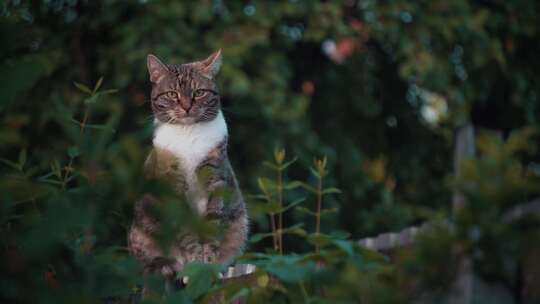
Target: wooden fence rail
[407,236]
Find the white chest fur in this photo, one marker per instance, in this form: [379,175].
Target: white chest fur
[191,144]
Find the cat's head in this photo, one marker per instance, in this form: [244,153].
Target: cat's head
[187,93]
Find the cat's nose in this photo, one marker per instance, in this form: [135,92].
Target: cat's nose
[186,105]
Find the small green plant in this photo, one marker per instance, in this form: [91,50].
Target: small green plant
[272,194]
[94,95]
[319,171]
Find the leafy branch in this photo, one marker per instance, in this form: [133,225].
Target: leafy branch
[94,96]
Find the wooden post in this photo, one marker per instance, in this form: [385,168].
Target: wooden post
[469,288]
[464,149]
[462,291]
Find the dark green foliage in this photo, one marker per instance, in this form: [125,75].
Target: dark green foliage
[373,90]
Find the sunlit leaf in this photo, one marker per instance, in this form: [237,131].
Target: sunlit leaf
[83,88]
[98,85]
[108,92]
[331,190]
[279,156]
[287,164]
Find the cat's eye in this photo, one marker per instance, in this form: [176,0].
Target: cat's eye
[171,94]
[199,93]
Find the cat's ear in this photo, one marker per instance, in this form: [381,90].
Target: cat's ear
[156,68]
[210,66]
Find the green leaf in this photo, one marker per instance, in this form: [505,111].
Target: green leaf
[257,237]
[289,268]
[295,229]
[51,181]
[287,164]
[46,176]
[293,185]
[108,92]
[339,235]
[73,152]
[100,127]
[306,186]
[98,85]
[296,202]
[306,211]
[346,246]
[22,158]
[83,88]
[55,167]
[320,166]
[314,172]
[92,99]
[11,164]
[331,190]
[279,156]
[75,121]
[319,239]
[269,207]
[328,211]
[270,165]
[262,185]
[257,196]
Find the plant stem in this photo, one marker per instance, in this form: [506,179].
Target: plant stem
[274,232]
[304,292]
[280,202]
[85,119]
[66,175]
[318,215]
[272,221]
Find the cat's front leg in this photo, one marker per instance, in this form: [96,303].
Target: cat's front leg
[211,175]
[216,196]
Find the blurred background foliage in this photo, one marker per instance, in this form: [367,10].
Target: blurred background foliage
[376,87]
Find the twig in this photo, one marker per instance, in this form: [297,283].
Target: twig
[318,215]
[280,202]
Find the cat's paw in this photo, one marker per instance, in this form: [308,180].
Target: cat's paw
[168,271]
[210,252]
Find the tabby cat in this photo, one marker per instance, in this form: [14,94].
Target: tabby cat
[190,137]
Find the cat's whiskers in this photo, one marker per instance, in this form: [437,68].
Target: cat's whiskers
[171,119]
